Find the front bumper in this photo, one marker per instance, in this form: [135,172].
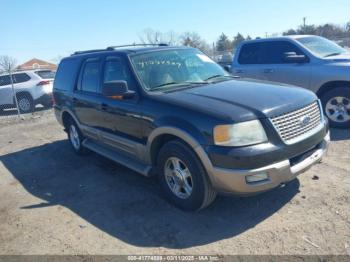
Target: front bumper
[234,181]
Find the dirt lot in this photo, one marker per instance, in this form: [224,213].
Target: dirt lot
[54,202]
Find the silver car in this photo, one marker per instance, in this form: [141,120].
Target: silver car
[308,61]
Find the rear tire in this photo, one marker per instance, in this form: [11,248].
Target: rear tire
[183,178]
[25,103]
[336,106]
[76,138]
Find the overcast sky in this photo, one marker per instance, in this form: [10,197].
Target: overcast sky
[47,29]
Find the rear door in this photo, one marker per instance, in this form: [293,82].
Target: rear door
[87,97]
[276,69]
[249,61]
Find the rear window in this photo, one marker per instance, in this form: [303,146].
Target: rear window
[66,74]
[47,74]
[251,54]
[20,78]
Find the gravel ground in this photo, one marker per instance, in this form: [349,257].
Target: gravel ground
[54,202]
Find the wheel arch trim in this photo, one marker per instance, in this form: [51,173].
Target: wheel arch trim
[186,137]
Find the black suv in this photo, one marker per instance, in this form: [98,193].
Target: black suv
[173,112]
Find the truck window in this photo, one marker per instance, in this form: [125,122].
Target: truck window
[115,69]
[271,52]
[91,77]
[275,50]
[65,76]
[251,53]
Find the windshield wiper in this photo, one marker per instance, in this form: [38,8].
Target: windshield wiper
[177,84]
[216,76]
[332,54]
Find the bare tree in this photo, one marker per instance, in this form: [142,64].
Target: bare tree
[193,39]
[150,36]
[8,65]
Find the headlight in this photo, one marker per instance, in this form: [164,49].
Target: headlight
[240,134]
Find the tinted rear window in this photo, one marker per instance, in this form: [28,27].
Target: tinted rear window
[251,54]
[46,74]
[20,78]
[66,74]
[91,77]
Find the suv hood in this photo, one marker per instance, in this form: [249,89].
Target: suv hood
[241,100]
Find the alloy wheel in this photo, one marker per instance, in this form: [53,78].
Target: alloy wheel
[178,177]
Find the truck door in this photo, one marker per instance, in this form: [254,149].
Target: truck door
[121,117]
[277,69]
[248,61]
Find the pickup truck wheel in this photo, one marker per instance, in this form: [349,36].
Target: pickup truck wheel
[25,103]
[183,178]
[336,106]
[76,138]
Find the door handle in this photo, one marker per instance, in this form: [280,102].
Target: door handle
[268,70]
[239,71]
[104,106]
[75,100]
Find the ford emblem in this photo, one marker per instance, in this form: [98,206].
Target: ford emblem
[305,120]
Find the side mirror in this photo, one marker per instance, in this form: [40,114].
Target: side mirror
[227,68]
[292,57]
[117,90]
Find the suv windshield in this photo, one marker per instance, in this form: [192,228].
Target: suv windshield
[47,74]
[321,46]
[170,68]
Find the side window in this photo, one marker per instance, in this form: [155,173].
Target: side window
[5,80]
[275,51]
[115,69]
[90,78]
[20,78]
[251,54]
[66,74]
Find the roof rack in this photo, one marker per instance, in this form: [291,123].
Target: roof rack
[88,51]
[115,47]
[132,45]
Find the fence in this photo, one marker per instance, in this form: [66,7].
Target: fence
[16,100]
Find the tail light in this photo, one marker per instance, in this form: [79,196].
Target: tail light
[43,83]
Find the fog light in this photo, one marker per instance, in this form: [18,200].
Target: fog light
[256,178]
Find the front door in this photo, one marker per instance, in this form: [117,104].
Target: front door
[121,117]
[276,69]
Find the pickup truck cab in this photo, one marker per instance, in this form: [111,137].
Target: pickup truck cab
[175,113]
[308,61]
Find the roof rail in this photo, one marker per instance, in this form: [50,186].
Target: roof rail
[114,47]
[120,46]
[88,51]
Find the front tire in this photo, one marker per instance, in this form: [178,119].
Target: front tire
[76,138]
[183,178]
[336,106]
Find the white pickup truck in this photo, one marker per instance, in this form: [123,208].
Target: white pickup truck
[308,61]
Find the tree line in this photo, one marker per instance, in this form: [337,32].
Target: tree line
[339,33]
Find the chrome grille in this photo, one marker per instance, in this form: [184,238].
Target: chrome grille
[298,123]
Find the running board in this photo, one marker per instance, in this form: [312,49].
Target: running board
[115,156]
